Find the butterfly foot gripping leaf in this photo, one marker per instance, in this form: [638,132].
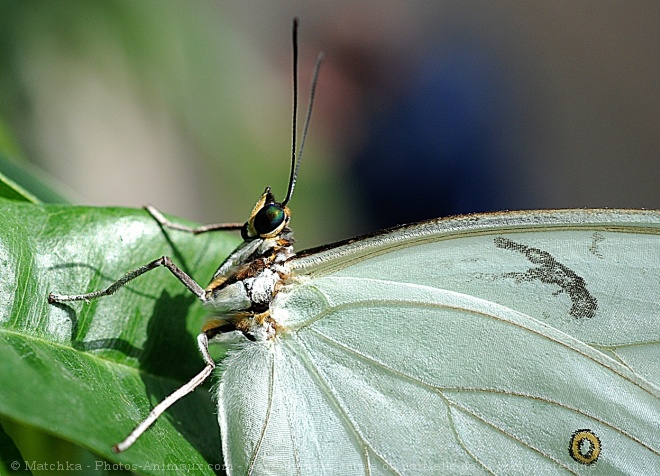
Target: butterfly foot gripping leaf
[511,343]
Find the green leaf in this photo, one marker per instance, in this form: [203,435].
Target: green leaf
[11,461]
[20,180]
[89,372]
[23,181]
[12,191]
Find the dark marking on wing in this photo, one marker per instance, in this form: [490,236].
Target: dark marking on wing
[551,271]
[596,238]
[585,446]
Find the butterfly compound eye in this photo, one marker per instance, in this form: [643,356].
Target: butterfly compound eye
[269,219]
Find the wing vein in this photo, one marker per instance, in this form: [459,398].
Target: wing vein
[440,389]
[262,435]
[575,345]
[496,428]
[335,402]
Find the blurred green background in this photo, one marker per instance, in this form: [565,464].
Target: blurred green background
[187,106]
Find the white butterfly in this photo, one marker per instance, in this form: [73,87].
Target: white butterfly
[459,346]
[507,343]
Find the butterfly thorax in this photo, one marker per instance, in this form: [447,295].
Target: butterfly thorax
[244,286]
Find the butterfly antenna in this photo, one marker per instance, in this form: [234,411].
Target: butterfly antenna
[295,161]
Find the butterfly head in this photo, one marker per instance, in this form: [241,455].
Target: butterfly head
[267,220]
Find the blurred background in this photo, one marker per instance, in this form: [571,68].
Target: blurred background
[423,108]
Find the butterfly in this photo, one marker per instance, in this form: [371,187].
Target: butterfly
[515,342]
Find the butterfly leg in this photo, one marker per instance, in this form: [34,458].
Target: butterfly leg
[160,218]
[189,282]
[158,410]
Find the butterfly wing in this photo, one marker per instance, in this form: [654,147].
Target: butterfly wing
[594,274]
[390,370]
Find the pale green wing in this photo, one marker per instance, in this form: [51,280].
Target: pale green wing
[594,274]
[379,377]
[400,361]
